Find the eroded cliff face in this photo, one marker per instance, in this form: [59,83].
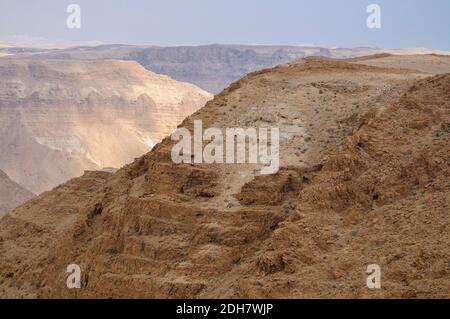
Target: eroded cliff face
[59,118]
[363,180]
[11,194]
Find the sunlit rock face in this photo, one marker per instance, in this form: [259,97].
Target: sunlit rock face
[59,118]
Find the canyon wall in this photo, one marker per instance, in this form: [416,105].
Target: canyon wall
[59,118]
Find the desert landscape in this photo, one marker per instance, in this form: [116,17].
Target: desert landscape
[363,179]
[220,159]
[59,118]
[210,67]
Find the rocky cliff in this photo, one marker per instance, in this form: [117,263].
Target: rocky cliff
[59,118]
[364,179]
[11,194]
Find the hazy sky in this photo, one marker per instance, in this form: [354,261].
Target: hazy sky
[341,23]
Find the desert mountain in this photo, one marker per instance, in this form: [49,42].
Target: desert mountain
[211,67]
[364,179]
[11,194]
[59,118]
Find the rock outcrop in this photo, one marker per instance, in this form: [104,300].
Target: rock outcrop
[364,179]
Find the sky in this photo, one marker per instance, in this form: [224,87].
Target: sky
[329,23]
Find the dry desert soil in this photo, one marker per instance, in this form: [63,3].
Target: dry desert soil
[363,179]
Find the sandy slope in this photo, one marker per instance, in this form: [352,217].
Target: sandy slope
[431,63]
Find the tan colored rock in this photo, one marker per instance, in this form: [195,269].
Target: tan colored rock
[372,189]
[59,118]
[11,194]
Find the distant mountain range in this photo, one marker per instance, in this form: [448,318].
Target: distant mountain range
[363,180]
[211,67]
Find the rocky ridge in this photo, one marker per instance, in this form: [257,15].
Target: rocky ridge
[363,179]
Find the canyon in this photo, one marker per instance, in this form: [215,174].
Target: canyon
[210,67]
[59,118]
[11,194]
[363,179]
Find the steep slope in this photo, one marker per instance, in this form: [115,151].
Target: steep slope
[363,180]
[211,67]
[59,118]
[11,194]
